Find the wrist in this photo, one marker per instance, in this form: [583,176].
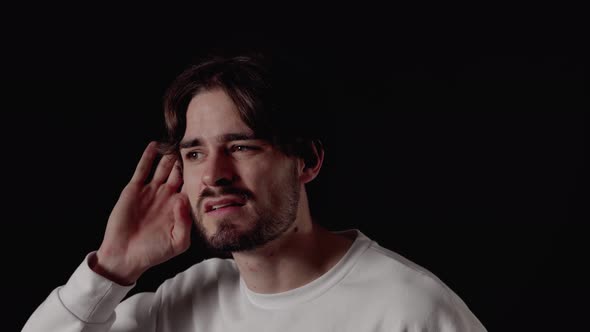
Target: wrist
[112,271]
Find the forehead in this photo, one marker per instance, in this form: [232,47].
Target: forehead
[212,113]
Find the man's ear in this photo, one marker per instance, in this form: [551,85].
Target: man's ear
[313,163]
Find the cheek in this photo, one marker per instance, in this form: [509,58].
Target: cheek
[255,177]
[191,185]
[265,179]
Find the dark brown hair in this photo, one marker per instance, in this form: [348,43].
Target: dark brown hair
[267,102]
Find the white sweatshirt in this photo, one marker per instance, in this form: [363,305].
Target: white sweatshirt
[370,289]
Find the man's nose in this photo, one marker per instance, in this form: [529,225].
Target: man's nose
[219,170]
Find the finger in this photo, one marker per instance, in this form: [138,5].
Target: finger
[175,178]
[144,166]
[182,223]
[164,168]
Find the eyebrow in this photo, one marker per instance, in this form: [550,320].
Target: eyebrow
[194,142]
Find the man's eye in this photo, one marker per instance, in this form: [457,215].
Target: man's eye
[241,148]
[193,155]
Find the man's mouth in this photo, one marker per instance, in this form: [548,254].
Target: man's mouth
[215,207]
[222,203]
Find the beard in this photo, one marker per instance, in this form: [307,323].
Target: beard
[269,222]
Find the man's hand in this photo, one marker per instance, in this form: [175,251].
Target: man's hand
[150,223]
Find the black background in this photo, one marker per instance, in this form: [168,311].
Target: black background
[456,137]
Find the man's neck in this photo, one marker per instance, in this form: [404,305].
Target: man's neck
[304,253]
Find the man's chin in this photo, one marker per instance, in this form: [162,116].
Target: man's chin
[233,238]
[228,237]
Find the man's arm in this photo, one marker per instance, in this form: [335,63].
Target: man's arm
[149,224]
[86,302]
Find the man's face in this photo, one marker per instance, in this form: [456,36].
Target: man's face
[243,191]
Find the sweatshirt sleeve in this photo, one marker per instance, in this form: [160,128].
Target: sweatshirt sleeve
[90,302]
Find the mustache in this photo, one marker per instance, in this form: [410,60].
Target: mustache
[208,192]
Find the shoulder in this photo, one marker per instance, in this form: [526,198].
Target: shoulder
[397,274]
[410,292]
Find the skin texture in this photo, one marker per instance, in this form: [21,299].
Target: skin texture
[230,163]
[268,230]
[149,224]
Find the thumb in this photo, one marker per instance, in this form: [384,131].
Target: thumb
[182,223]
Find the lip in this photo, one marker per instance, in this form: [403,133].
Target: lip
[209,204]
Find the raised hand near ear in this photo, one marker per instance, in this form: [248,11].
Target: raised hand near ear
[149,224]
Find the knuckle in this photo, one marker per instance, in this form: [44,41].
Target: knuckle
[167,188]
[130,189]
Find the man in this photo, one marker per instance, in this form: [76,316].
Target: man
[237,166]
